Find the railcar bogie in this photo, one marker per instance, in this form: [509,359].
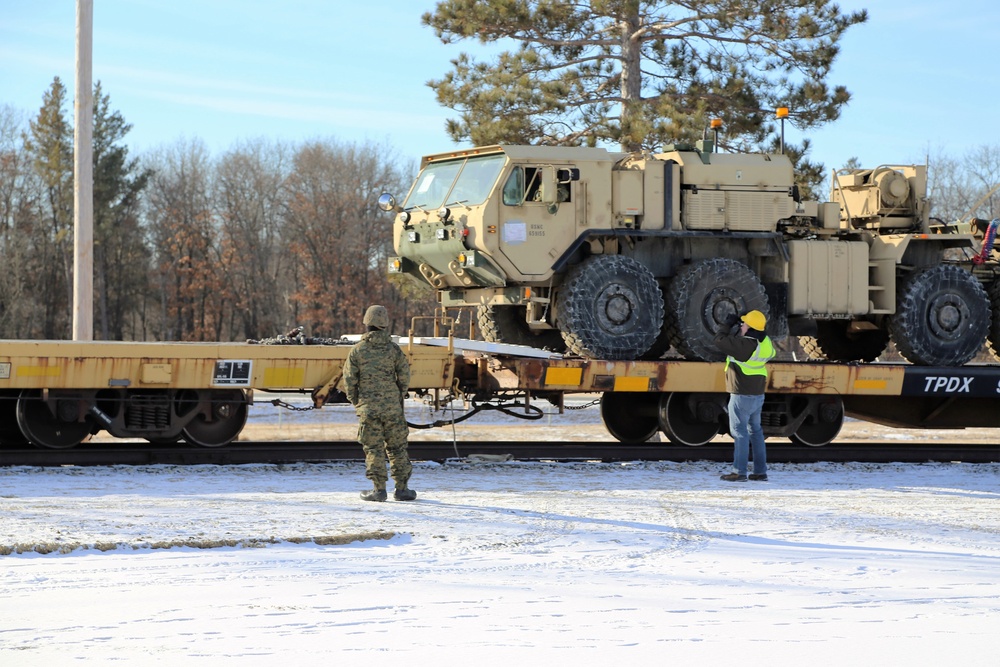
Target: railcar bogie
[59,419]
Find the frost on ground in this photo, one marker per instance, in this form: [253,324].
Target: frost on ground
[266,564]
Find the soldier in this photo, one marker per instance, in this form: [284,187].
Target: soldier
[376,376]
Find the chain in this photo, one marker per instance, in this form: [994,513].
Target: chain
[278,403]
[582,407]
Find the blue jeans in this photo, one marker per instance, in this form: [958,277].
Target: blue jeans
[744,425]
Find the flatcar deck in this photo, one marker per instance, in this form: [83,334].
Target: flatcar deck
[56,393]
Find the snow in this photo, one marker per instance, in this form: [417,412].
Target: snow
[538,562]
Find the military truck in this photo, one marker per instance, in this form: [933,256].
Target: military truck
[622,256]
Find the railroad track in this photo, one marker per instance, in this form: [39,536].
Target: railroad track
[294,452]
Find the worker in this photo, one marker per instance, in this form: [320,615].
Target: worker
[748,350]
[376,378]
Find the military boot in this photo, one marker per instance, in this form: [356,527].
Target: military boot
[375,495]
[404,494]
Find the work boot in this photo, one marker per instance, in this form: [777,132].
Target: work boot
[404,494]
[375,495]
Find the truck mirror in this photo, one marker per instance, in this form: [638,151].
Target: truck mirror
[549,185]
[386,202]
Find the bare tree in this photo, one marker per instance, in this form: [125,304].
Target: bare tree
[184,240]
[19,215]
[249,198]
[339,238]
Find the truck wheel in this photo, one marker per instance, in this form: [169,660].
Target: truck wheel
[942,317]
[833,342]
[993,338]
[662,343]
[507,324]
[610,307]
[701,298]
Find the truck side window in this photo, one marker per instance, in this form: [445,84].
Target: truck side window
[513,189]
[525,185]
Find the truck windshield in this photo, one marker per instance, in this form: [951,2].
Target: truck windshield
[467,181]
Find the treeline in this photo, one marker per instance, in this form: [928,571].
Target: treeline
[265,237]
[189,246]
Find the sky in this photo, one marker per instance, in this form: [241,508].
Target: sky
[227,71]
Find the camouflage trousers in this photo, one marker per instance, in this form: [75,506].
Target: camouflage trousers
[382,435]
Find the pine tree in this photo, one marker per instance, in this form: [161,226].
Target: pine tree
[641,73]
[50,143]
[121,258]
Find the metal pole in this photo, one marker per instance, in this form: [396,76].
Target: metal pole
[83,176]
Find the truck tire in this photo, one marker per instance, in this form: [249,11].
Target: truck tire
[701,298]
[610,307]
[993,338]
[662,343]
[942,317]
[833,342]
[507,324]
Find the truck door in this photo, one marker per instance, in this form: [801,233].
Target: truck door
[533,233]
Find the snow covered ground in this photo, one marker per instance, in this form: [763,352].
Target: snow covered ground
[826,564]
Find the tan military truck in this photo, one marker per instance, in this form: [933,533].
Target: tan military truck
[621,256]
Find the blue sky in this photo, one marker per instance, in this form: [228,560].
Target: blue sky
[923,73]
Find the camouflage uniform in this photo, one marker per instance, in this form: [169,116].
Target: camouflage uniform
[376,377]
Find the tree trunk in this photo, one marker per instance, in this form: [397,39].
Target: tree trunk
[631,80]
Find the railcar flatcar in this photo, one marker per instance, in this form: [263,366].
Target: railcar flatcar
[56,394]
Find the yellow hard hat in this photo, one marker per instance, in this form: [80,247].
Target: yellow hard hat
[755,320]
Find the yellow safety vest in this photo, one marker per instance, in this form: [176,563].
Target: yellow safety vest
[755,365]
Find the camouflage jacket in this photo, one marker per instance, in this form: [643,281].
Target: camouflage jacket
[376,374]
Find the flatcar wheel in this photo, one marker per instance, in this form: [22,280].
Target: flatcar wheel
[823,427]
[61,430]
[10,432]
[680,423]
[630,417]
[228,416]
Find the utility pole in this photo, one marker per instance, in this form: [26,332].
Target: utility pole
[83,176]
